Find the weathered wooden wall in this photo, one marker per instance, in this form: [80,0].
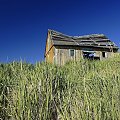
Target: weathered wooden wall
[108,55]
[62,55]
[49,52]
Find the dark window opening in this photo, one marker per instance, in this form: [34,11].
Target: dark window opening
[90,55]
[71,52]
[103,54]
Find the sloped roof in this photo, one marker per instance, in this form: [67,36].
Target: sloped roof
[93,40]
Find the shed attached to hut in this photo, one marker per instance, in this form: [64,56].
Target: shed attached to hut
[61,48]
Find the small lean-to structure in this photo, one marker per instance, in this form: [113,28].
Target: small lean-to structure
[61,48]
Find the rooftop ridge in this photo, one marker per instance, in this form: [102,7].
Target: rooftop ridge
[81,36]
[59,33]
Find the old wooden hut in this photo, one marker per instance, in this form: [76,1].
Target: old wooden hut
[61,48]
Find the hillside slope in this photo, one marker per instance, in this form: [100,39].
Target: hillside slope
[83,90]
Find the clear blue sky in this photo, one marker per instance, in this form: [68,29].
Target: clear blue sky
[24,24]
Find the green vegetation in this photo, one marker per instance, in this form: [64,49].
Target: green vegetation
[83,90]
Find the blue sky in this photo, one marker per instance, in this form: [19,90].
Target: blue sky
[24,24]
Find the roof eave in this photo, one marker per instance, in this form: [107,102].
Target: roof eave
[108,47]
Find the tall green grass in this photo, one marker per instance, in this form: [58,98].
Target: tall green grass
[83,90]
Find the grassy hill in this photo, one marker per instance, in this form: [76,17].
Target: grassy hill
[83,90]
